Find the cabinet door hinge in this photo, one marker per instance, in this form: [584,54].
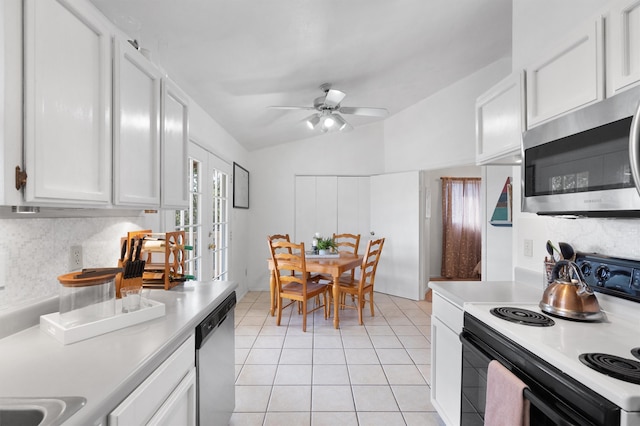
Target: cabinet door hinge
[21,178]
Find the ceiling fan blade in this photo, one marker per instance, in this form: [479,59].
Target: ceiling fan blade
[334,97]
[291,107]
[369,112]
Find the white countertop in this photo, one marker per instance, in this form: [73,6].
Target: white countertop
[461,292]
[106,368]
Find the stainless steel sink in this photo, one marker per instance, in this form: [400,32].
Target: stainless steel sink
[38,411]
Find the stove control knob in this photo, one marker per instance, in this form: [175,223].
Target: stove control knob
[586,269]
[603,273]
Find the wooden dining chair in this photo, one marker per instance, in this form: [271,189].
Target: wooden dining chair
[347,242]
[360,287]
[317,277]
[274,294]
[290,257]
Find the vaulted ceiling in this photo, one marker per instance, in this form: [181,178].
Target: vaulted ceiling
[236,58]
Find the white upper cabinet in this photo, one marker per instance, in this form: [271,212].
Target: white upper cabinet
[570,77]
[623,46]
[500,121]
[174,143]
[67,96]
[136,124]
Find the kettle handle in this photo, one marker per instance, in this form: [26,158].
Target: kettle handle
[555,275]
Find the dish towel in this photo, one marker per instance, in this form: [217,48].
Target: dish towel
[506,405]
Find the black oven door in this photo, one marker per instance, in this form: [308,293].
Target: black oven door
[555,398]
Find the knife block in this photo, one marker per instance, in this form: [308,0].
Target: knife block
[122,282]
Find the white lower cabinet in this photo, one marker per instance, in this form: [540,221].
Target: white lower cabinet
[180,407]
[166,397]
[446,359]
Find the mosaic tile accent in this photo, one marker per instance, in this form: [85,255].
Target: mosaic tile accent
[34,252]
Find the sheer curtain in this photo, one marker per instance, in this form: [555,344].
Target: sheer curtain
[461,230]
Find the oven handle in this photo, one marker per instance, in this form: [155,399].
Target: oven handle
[548,411]
[468,340]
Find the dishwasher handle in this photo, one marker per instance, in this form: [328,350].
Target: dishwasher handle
[214,320]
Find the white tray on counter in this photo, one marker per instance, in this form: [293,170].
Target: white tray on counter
[51,323]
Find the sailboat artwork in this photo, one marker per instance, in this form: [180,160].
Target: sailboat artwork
[502,213]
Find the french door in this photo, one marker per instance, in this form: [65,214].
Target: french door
[206,221]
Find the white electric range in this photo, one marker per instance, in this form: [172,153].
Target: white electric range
[555,371]
[562,344]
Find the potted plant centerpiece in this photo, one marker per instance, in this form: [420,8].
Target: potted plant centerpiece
[325,245]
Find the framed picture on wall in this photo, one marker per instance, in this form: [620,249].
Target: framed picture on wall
[240,187]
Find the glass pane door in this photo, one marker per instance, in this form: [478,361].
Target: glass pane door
[206,222]
[219,236]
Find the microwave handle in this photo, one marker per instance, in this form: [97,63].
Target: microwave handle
[634,148]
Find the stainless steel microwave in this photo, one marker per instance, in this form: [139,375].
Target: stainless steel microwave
[585,163]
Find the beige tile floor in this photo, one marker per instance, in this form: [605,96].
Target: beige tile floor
[376,374]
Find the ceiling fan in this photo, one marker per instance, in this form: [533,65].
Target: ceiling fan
[328,108]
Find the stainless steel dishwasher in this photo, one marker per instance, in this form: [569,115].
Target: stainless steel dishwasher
[215,353]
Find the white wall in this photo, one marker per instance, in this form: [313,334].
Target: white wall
[360,152]
[497,242]
[439,131]
[536,24]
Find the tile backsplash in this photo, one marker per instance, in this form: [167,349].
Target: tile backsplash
[34,252]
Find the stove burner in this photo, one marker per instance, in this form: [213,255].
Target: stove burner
[617,367]
[522,316]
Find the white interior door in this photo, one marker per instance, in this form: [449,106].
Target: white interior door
[396,215]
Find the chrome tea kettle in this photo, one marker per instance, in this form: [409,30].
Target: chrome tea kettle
[570,298]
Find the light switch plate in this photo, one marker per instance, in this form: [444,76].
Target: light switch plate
[528,248]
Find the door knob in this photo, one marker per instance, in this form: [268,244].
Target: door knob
[212,246]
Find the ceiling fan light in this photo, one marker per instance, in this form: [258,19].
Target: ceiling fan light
[329,121]
[340,122]
[312,121]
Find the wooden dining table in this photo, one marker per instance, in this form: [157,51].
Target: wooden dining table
[333,266]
